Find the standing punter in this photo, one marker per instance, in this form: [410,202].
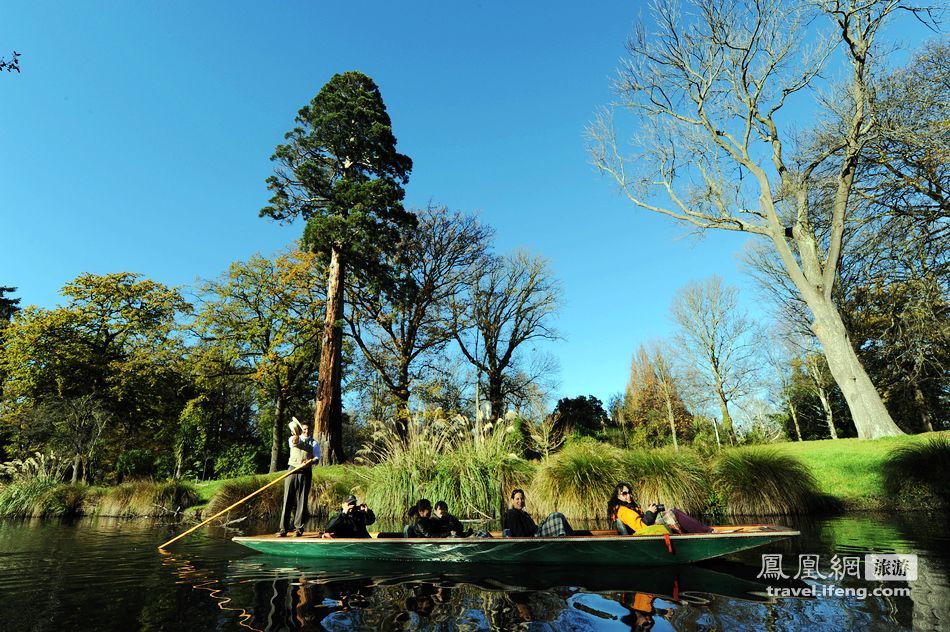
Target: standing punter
[303,447]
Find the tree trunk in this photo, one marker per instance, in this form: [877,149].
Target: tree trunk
[794,413]
[328,418]
[924,410]
[75,469]
[495,397]
[826,406]
[278,432]
[179,463]
[726,418]
[669,414]
[715,426]
[871,418]
[403,414]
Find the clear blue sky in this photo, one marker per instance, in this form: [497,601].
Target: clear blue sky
[138,136]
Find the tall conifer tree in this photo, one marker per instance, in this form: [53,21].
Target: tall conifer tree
[339,170]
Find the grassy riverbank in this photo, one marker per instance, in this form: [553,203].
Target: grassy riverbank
[906,472]
[852,470]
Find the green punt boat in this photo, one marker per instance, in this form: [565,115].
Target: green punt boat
[587,547]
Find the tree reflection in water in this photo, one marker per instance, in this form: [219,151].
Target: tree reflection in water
[372,595]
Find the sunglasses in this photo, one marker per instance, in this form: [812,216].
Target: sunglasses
[625,493]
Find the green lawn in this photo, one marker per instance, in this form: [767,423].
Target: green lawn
[850,469]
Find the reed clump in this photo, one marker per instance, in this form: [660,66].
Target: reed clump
[34,488]
[915,475]
[441,459]
[674,478]
[764,481]
[264,506]
[25,498]
[147,499]
[577,481]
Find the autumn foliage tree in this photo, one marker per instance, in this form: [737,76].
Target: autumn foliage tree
[652,404]
[116,347]
[263,319]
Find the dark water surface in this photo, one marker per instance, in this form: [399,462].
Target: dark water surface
[100,574]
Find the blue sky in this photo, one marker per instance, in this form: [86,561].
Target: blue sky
[138,137]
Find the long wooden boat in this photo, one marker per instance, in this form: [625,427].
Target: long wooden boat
[585,547]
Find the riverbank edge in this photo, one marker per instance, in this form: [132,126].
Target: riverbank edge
[848,472]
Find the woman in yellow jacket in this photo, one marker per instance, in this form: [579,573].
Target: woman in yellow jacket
[627,515]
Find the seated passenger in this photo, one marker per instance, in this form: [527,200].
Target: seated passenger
[351,521]
[516,522]
[631,519]
[423,525]
[447,523]
[627,515]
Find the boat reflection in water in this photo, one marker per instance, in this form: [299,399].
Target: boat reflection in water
[340,594]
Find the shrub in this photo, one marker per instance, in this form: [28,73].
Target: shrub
[137,462]
[675,478]
[35,490]
[915,475]
[577,481]
[65,501]
[763,481]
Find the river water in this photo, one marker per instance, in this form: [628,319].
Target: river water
[99,574]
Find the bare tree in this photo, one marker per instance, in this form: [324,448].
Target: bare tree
[667,383]
[507,304]
[779,354]
[711,84]
[399,331]
[718,340]
[13,65]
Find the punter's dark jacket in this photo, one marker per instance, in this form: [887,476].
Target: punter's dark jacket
[519,523]
[351,525]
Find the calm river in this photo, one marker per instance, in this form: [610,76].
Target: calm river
[107,575]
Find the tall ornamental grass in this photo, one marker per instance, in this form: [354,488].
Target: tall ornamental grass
[470,468]
[34,488]
[25,498]
[674,478]
[915,475]
[764,481]
[576,481]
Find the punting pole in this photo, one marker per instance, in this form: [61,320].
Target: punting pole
[229,508]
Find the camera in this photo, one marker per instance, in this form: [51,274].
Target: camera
[660,508]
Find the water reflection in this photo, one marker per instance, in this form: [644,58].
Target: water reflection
[371,595]
[107,575]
